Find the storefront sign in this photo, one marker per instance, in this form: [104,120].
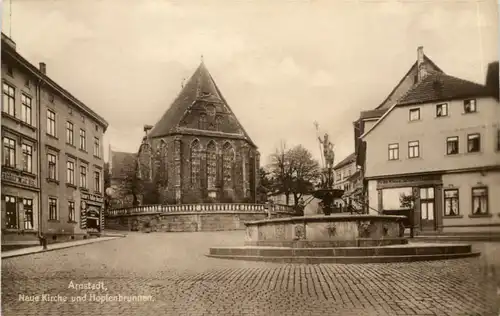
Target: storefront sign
[409,181]
[92,197]
[14,177]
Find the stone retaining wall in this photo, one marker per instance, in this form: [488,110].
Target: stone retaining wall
[185,222]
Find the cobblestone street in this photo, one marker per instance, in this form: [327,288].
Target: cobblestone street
[171,268]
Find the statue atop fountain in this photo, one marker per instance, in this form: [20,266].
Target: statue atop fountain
[327,194]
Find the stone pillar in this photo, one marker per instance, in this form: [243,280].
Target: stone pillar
[256,181]
[177,170]
[416,209]
[438,209]
[380,201]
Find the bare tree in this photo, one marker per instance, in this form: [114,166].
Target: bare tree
[294,171]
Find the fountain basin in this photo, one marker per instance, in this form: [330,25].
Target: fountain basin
[337,230]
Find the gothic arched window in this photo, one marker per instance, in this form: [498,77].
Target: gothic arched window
[202,121]
[218,123]
[163,163]
[195,162]
[228,160]
[211,165]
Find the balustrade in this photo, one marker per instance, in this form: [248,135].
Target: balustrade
[193,208]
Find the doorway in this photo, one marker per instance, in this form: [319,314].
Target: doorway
[427,209]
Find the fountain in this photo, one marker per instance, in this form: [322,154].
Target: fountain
[335,238]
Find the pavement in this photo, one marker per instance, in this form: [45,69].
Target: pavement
[56,246]
[169,274]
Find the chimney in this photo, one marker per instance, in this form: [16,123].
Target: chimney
[492,79]
[421,72]
[43,68]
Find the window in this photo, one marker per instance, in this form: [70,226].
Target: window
[427,204]
[28,213]
[27,83]
[202,122]
[228,161]
[479,201]
[195,162]
[473,143]
[52,160]
[97,181]
[83,140]
[71,211]
[413,149]
[451,202]
[10,212]
[70,133]
[470,106]
[83,176]
[53,214]
[211,166]
[442,110]
[9,152]
[97,147]
[452,145]
[8,100]
[393,151]
[96,128]
[70,172]
[27,158]
[218,123]
[26,109]
[51,98]
[51,123]
[414,114]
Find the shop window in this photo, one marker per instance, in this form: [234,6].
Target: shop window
[10,212]
[28,213]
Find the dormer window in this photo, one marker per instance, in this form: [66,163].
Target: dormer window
[414,114]
[442,110]
[470,106]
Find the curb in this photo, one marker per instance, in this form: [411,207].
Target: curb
[8,256]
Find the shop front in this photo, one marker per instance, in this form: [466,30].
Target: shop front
[19,206]
[91,215]
[418,196]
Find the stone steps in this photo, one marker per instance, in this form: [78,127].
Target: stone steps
[399,253]
[350,260]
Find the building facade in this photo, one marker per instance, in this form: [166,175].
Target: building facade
[420,68]
[444,162]
[20,155]
[198,152]
[66,160]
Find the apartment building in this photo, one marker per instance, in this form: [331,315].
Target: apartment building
[422,66]
[20,159]
[346,175]
[68,152]
[444,161]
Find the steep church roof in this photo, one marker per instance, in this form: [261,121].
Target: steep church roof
[200,87]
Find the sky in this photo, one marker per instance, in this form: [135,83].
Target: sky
[281,64]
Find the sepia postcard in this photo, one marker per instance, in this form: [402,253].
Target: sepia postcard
[250,157]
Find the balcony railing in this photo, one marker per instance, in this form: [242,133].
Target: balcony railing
[195,208]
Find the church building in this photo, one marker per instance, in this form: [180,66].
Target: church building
[197,152]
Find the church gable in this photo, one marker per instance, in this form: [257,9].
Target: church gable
[200,106]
